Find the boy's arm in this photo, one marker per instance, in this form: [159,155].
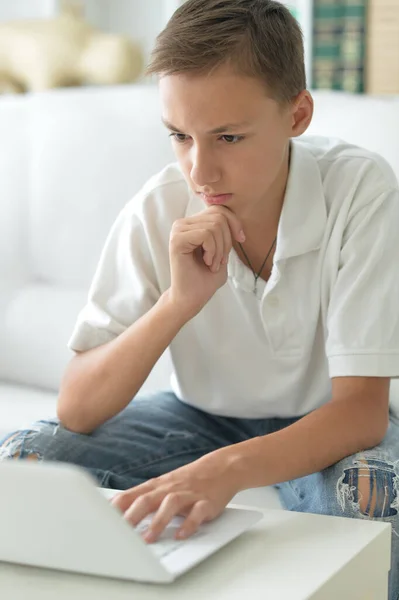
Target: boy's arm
[101,382]
[355,419]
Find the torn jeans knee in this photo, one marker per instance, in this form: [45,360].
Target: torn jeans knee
[20,444]
[14,447]
[369,489]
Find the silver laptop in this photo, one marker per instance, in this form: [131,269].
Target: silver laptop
[52,515]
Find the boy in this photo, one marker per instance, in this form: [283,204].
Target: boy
[269,266]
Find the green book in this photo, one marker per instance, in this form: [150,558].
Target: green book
[339,33]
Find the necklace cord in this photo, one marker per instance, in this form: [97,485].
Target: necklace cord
[257,275]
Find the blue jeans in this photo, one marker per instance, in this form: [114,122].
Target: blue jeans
[158,433]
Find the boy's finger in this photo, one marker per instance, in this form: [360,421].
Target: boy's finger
[233,221]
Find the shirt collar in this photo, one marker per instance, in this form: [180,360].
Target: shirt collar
[304,216]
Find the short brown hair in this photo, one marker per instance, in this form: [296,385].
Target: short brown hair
[259,38]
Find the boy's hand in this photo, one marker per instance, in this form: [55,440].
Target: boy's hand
[199,249]
[199,491]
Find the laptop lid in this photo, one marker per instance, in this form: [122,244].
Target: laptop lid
[52,516]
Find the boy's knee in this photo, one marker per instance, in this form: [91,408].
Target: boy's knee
[367,492]
[10,448]
[29,457]
[6,447]
[371,488]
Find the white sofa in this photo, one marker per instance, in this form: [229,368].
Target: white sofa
[69,160]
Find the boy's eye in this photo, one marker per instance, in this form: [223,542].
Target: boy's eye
[179,137]
[228,138]
[231,139]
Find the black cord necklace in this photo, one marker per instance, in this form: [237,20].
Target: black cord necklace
[257,275]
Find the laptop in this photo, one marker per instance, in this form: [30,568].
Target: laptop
[53,515]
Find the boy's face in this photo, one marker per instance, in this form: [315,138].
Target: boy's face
[230,137]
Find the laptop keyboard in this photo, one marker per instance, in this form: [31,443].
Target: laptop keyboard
[162,548]
[166,544]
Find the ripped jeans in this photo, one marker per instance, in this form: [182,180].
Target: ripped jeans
[158,433]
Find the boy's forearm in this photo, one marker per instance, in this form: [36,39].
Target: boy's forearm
[101,382]
[313,443]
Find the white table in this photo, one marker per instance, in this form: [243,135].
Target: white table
[286,556]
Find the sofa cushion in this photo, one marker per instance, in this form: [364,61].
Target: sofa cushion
[35,326]
[20,406]
[92,151]
[14,189]
[34,331]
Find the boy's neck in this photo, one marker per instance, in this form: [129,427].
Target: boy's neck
[263,223]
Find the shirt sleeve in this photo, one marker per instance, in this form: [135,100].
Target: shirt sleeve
[363,312]
[124,286]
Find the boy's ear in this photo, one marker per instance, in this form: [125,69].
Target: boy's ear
[301,114]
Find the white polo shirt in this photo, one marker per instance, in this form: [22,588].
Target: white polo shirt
[329,309]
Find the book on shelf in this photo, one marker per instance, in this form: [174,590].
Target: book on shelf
[339,29]
[382,69]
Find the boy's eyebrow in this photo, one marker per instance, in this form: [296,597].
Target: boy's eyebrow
[221,129]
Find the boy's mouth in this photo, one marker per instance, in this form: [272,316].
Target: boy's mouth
[216,199]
